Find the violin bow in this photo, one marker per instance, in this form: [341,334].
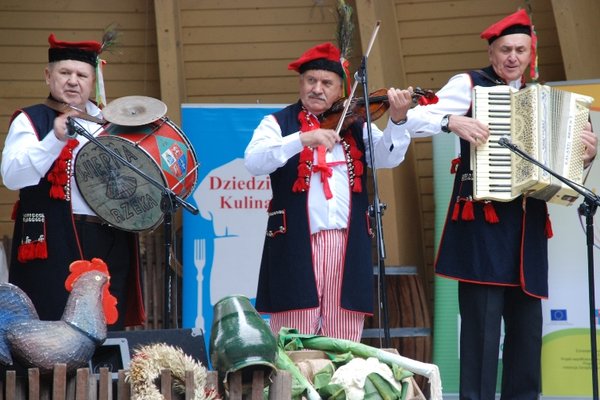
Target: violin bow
[349,99]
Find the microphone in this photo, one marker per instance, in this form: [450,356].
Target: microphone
[504,141]
[71,130]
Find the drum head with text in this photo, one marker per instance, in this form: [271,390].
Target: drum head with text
[162,162]
[119,195]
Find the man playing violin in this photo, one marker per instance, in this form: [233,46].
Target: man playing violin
[316,272]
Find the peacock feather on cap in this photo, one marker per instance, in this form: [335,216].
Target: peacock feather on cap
[111,38]
[110,41]
[344,33]
[345,28]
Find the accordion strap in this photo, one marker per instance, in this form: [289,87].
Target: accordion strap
[488,77]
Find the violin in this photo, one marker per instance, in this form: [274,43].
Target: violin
[378,105]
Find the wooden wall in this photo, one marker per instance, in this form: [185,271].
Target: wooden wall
[238,52]
[579,39]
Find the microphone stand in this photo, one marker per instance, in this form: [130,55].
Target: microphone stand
[588,209]
[168,204]
[377,208]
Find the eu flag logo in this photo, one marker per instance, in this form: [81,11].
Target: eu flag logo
[558,315]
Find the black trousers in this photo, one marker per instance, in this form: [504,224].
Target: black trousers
[482,308]
[115,248]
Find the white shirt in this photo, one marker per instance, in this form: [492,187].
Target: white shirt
[26,160]
[454,99]
[268,150]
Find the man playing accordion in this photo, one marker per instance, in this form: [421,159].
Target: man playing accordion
[496,250]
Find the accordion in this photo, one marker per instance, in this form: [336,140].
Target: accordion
[542,121]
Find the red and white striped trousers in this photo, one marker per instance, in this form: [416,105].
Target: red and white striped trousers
[329,319]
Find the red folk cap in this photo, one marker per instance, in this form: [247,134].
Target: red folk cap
[518,22]
[80,51]
[323,56]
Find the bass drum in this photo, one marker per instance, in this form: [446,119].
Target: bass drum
[123,197]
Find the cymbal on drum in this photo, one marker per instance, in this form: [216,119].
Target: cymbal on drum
[134,110]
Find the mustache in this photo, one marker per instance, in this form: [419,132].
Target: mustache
[317,97]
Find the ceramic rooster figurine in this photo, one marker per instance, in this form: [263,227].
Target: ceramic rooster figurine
[73,339]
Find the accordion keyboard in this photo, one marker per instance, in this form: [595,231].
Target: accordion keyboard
[490,162]
[544,122]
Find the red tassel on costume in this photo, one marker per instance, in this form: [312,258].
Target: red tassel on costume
[357,164]
[301,182]
[61,165]
[456,210]
[355,152]
[358,168]
[467,212]
[57,192]
[41,250]
[61,179]
[21,253]
[26,252]
[454,165]
[299,186]
[490,213]
[58,175]
[304,170]
[549,232]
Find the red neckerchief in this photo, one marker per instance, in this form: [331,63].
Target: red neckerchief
[309,122]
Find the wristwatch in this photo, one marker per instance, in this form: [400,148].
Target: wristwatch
[445,122]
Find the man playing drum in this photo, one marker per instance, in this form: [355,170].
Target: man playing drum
[53,224]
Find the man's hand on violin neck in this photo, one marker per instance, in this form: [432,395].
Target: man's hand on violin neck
[320,137]
[400,102]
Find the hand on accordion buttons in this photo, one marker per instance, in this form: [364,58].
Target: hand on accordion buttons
[469,129]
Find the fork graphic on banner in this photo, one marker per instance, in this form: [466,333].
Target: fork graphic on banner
[200,263]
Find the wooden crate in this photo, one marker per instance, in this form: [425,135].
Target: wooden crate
[87,386]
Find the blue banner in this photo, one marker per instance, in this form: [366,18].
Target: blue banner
[223,244]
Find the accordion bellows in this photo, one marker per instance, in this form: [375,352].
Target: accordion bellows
[540,120]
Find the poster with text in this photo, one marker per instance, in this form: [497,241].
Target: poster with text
[222,245]
[566,355]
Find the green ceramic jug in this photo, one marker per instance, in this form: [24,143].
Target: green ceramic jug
[240,339]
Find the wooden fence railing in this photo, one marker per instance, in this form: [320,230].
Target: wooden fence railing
[85,385]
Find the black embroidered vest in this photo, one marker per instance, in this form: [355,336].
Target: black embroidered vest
[286,279]
[511,252]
